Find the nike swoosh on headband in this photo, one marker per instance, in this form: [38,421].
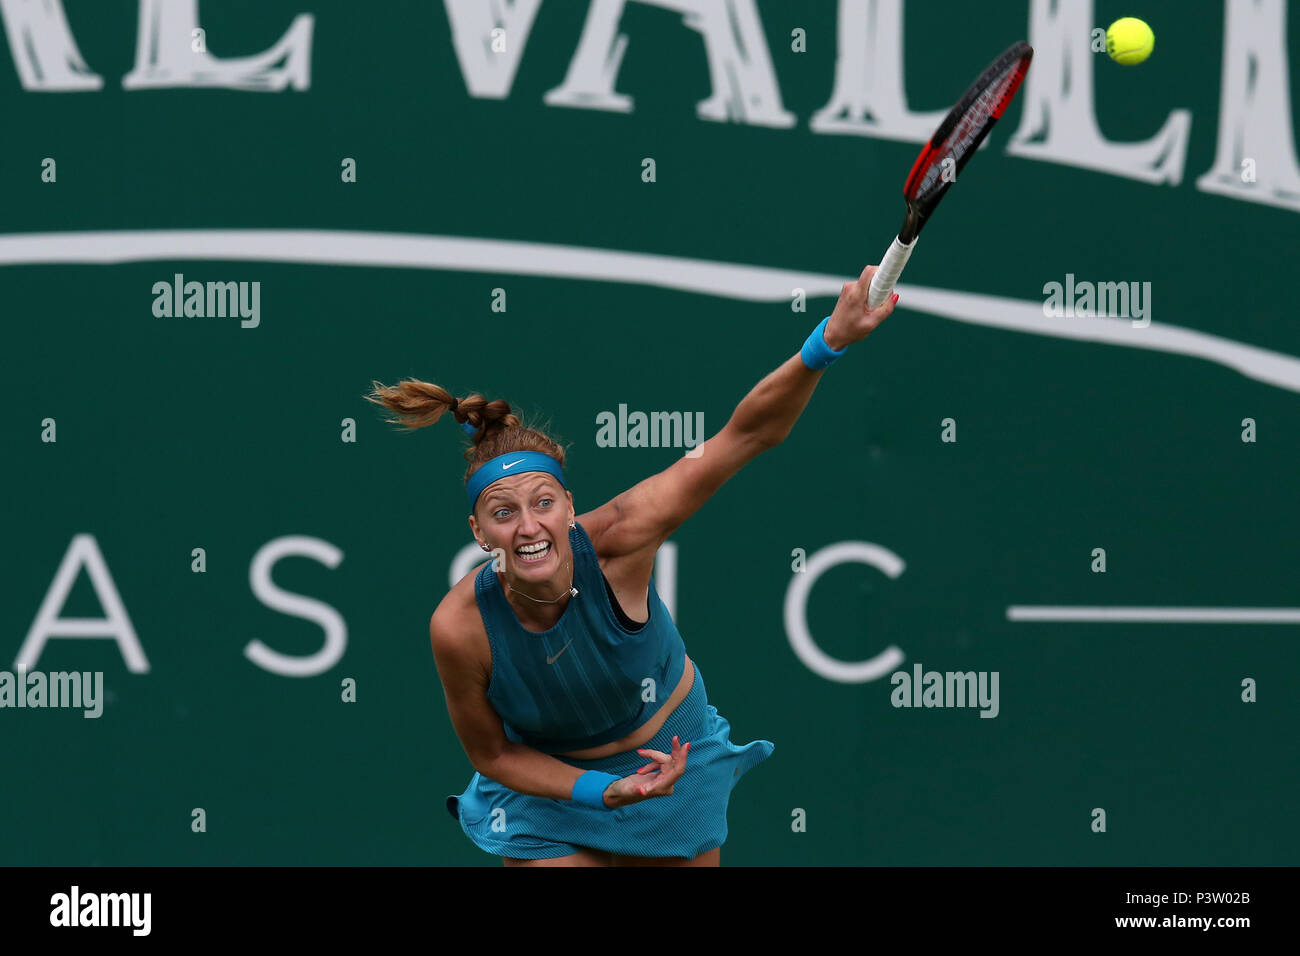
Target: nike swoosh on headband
[511,465]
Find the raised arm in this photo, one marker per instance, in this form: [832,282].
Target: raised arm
[643,517]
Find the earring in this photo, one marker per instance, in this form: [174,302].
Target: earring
[484,546]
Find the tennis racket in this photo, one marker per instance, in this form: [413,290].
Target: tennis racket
[944,156]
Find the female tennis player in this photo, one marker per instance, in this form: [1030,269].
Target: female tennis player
[569,686]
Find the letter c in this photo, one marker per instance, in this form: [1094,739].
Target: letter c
[796,613]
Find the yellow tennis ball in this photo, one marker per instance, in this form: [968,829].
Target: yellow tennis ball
[1129,41]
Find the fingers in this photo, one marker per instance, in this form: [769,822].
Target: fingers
[855,293]
[677,748]
[659,776]
[882,311]
[662,757]
[663,761]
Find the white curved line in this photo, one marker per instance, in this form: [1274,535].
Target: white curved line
[1179,615]
[730,280]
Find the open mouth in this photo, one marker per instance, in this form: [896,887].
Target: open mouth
[534,553]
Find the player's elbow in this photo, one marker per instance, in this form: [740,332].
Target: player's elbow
[482,763]
[492,762]
[761,441]
[747,441]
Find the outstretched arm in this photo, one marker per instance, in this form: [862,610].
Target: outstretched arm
[769,411]
[643,517]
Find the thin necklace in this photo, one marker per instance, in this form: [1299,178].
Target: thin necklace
[573,592]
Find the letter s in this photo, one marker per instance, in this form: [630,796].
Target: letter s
[335,628]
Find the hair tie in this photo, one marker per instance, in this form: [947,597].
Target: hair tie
[454,403]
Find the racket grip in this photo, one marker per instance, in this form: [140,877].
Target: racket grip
[891,267]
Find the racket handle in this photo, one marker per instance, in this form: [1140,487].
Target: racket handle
[891,267]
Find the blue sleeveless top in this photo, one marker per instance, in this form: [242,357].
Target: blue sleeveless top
[591,691]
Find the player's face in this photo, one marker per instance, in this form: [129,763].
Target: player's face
[527,516]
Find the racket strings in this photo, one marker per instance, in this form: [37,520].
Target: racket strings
[966,130]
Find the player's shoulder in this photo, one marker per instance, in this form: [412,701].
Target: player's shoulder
[456,626]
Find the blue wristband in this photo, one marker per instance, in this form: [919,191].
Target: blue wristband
[589,789]
[816,354]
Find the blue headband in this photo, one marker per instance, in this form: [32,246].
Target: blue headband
[506,466]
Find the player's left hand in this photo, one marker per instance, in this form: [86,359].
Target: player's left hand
[664,769]
[852,321]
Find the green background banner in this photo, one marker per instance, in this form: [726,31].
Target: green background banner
[176,433]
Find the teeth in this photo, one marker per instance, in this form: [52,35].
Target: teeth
[533,548]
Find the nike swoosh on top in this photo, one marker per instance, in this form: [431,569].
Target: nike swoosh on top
[552,660]
[511,465]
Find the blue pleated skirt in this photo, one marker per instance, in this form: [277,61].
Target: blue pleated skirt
[688,822]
